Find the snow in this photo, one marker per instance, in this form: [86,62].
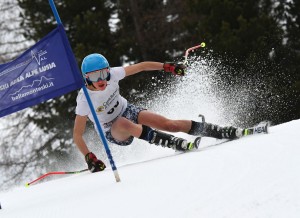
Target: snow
[256,176]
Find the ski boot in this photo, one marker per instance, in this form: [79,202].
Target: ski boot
[218,132]
[232,132]
[215,131]
[205,129]
[170,141]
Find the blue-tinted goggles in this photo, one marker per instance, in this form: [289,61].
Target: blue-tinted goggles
[98,75]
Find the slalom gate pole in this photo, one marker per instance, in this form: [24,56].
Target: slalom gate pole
[100,131]
[202,45]
[53,173]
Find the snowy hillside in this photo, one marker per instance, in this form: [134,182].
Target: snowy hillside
[257,176]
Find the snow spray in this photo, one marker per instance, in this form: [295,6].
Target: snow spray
[206,89]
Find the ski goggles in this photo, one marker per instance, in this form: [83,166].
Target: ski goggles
[98,75]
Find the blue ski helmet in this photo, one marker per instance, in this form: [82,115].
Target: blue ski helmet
[93,62]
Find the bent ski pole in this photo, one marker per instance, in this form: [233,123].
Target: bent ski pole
[53,173]
[202,45]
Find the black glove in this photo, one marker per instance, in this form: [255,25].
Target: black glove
[175,68]
[93,163]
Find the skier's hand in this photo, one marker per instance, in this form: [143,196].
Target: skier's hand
[93,163]
[175,68]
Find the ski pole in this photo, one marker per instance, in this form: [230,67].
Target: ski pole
[53,173]
[202,45]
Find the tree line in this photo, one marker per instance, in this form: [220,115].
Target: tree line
[258,41]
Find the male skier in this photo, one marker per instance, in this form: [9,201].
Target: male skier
[122,121]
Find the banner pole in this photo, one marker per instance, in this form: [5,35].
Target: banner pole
[54,10]
[100,131]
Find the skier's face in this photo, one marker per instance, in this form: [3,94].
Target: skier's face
[99,78]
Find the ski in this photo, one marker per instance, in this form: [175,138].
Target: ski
[195,144]
[261,128]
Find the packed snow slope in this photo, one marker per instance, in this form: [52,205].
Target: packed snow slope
[256,176]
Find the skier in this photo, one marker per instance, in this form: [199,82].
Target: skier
[122,121]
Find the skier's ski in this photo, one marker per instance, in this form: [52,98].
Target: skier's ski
[258,129]
[261,128]
[194,145]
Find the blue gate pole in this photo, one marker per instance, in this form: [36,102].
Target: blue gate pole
[100,131]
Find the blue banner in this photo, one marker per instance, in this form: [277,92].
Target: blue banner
[46,70]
